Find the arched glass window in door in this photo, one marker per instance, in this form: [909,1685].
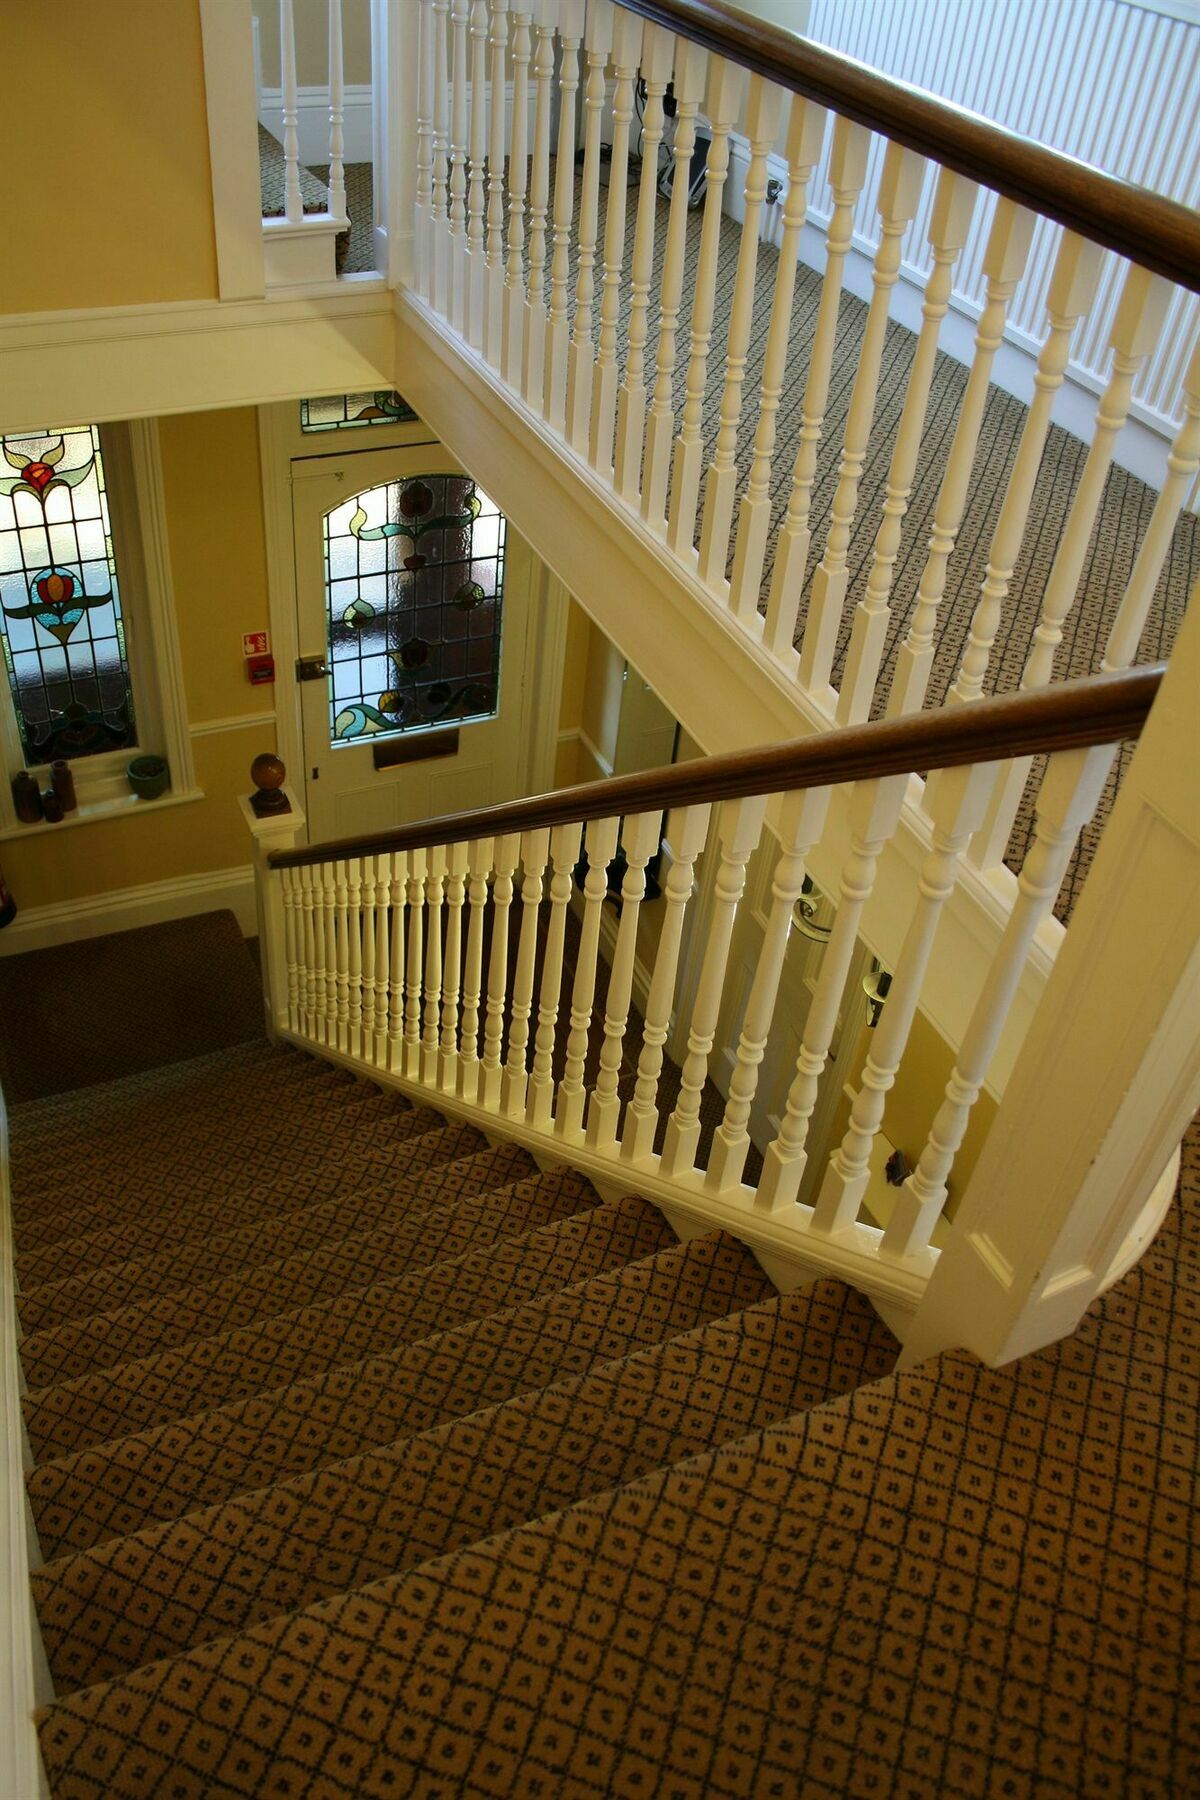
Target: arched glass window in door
[414,578]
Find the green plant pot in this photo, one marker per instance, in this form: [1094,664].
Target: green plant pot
[148,776]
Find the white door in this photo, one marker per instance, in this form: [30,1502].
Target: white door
[413,614]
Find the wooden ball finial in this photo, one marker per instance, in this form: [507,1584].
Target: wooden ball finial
[268,775]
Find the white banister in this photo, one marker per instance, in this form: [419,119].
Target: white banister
[600,848]
[508,852]
[626,52]
[435,876]
[359,897]
[518,177]
[639,840]
[291,932]
[383,926]
[340,927]
[533,359]
[479,863]
[476,206]
[329,887]
[493,324]
[337,113]
[570,32]
[657,55]
[398,896]
[424,226]
[597,45]
[440,202]
[456,871]
[293,203]
[535,847]
[564,854]
[416,962]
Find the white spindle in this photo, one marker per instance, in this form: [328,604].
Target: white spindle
[334,991]
[518,177]
[416,963]
[435,876]
[597,45]
[337,114]
[691,65]
[739,830]
[657,55]
[1003,264]
[949,223]
[564,854]
[397,894]
[723,101]
[293,202]
[639,840]
[1065,803]
[308,1001]
[899,193]
[476,268]
[601,847]
[534,850]
[290,888]
[458,167]
[764,110]
[508,851]
[806,133]
[956,810]
[570,33]
[874,814]
[440,201]
[847,175]
[361,923]
[687,828]
[493,321]
[456,870]
[1139,318]
[340,922]
[378,1050]
[627,47]
[426,76]
[533,360]
[1182,463]
[798,826]
[479,862]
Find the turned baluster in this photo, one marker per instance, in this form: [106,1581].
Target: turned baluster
[339,930]
[956,812]
[356,952]
[289,889]
[738,832]
[397,893]
[687,828]
[456,870]
[416,962]
[333,972]
[435,877]
[949,223]
[899,193]
[799,822]
[874,814]
[293,200]
[319,977]
[378,1048]
[564,854]
[597,46]
[570,33]
[657,54]
[639,841]
[847,177]
[601,847]
[806,133]
[1003,265]
[627,48]
[513,317]
[534,850]
[423,248]
[337,115]
[479,862]
[493,295]
[475,265]
[533,359]
[458,167]
[440,199]
[764,112]
[1066,801]
[309,992]
[508,851]
[723,100]
[691,67]
[1182,462]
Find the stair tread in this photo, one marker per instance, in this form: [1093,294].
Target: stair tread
[469,1258]
[218,1572]
[163,1473]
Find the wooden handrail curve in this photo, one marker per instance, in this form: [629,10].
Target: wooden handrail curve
[1158,233]
[1069,715]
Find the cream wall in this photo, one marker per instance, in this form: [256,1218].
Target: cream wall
[108,200]
[218,560]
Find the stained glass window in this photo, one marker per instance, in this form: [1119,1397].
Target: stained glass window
[414,575]
[61,626]
[339,410]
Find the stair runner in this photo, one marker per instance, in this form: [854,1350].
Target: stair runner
[372,1459]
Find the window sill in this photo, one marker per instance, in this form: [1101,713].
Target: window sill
[99,812]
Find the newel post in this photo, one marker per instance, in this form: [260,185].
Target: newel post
[1108,1076]
[275,822]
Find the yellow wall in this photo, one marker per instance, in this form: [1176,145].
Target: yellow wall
[312,42]
[218,560]
[108,200]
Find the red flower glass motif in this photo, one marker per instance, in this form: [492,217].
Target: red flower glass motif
[38,475]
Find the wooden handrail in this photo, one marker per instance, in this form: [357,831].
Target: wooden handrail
[1159,234]
[1070,715]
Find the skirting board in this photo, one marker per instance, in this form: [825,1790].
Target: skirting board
[124,909]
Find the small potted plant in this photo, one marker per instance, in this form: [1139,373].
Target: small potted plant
[148,776]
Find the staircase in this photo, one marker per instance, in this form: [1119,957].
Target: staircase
[371,1458]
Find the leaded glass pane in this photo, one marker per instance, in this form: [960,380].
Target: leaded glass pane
[61,626]
[339,410]
[414,577]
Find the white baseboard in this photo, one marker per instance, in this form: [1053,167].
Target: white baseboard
[312,122]
[124,909]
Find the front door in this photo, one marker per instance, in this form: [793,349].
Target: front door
[413,602]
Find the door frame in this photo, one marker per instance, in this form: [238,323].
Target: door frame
[280,442]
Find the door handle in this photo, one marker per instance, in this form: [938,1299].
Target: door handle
[311,668]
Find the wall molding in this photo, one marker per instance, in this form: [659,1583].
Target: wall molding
[238,722]
[124,909]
